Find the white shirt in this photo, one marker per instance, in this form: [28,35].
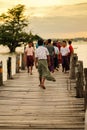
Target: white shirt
[29,51]
[56,50]
[64,50]
[41,52]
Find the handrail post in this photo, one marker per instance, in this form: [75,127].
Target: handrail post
[23,62]
[79,79]
[85,95]
[9,71]
[1,74]
[17,63]
[73,61]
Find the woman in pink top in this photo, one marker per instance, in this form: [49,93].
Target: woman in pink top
[29,52]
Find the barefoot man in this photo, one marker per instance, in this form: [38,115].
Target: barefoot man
[42,61]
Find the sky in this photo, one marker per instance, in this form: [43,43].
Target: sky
[53,18]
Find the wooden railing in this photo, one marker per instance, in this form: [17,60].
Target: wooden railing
[79,75]
[10,64]
[76,74]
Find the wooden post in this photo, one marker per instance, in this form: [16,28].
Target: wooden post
[9,71]
[1,74]
[73,61]
[85,97]
[85,93]
[23,62]
[85,120]
[17,63]
[79,79]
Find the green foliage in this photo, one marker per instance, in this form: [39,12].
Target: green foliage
[37,37]
[11,27]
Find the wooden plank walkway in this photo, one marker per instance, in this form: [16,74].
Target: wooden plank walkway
[24,105]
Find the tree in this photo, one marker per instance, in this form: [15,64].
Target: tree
[12,26]
[37,37]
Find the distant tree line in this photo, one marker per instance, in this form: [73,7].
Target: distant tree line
[12,26]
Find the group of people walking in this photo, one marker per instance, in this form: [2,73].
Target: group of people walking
[47,56]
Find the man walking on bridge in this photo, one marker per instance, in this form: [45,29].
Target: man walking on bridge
[42,60]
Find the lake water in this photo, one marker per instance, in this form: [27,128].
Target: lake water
[79,47]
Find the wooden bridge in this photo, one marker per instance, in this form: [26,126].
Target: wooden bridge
[24,105]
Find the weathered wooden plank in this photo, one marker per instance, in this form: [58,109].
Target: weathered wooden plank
[37,101]
[40,125]
[46,129]
[40,118]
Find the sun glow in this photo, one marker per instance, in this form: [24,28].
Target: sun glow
[53,18]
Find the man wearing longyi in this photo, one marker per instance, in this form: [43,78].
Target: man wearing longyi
[43,61]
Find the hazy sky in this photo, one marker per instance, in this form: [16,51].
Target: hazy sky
[53,18]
